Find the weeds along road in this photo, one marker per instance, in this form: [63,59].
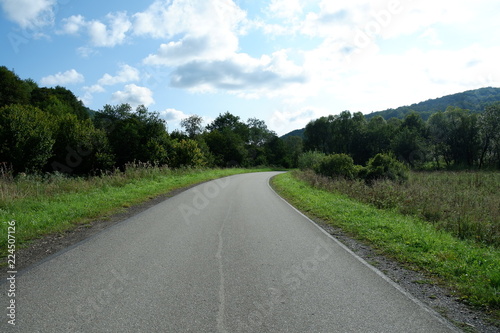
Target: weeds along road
[225,256]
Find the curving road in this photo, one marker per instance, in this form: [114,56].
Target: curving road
[225,256]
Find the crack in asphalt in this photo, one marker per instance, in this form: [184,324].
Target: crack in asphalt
[222,296]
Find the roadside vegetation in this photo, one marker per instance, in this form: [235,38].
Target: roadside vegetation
[381,214]
[54,203]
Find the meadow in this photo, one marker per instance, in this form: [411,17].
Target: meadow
[464,203]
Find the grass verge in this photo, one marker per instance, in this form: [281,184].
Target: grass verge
[468,268]
[56,204]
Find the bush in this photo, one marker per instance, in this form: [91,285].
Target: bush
[384,166]
[26,137]
[338,165]
[310,160]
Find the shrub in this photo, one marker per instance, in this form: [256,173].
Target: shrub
[337,166]
[26,137]
[310,160]
[384,166]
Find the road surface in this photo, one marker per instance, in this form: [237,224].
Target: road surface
[225,256]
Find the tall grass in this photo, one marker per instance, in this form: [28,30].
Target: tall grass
[467,204]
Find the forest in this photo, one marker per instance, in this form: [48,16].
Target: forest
[46,130]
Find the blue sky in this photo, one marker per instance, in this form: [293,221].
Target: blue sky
[283,61]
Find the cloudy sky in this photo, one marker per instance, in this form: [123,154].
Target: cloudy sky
[283,61]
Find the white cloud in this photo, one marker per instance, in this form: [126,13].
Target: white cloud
[203,30]
[204,48]
[69,77]
[111,35]
[73,24]
[286,120]
[134,95]
[29,13]
[193,17]
[88,96]
[125,74]
[288,9]
[101,35]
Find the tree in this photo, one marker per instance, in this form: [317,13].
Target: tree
[59,100]
[489,125]
[410,144]
[317,135]
[192,125]
[133,136]
[229,122]
[294,146]
[25,137]
[13,90]
[227,148]
[79,147]
[258,133]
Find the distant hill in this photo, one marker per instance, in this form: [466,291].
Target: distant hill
[473,100]
[298,132]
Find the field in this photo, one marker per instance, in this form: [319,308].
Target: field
[47,204]
[467,204]
[469,267]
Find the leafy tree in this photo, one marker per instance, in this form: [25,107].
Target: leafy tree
[294,146]
[227,148]
[59,100]
[133,136]
[275,152]
[193,125]
[439,138]
[13,90]
[79,147]
[489,125]
[25,137]
[317,135]
[463,136]
[258,133]
[230,122]
[409,144]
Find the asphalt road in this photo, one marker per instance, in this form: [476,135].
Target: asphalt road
[225,256]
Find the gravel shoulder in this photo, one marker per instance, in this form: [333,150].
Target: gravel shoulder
[426,289]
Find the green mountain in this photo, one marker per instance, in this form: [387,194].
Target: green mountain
[473,100]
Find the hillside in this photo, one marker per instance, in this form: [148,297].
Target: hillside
[473,100]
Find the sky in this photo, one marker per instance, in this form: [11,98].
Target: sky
[286,62]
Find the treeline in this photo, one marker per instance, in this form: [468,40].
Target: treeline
[49,129]
[454,138]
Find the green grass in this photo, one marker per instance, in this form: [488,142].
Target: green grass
[467,267]
[467,204]
[45,205]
